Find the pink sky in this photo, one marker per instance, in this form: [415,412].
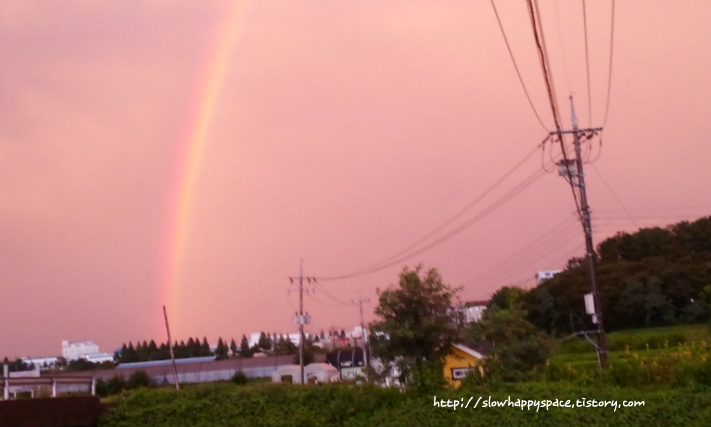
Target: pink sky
[342,133]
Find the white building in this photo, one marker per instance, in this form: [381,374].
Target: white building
[542,276]
[99,357]
[473,313]
[78,349]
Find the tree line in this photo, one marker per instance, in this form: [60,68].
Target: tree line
[654,277]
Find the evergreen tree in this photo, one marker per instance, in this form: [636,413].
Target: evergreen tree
[153,353]
[205,348]
[233,347]
[245,351]
[264,343]
[221,350]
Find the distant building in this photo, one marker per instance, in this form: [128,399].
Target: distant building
[313,373]
[88,350]
[99,357]
[469,312]
[542,276]
[350,362]
[473,310]
[73,350]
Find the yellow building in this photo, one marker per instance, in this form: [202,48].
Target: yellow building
[457,364]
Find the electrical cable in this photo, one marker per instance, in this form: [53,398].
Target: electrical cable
[587,63]
[614,195]
[609,73]
[482,214]
[543,57]
[518,73]
[328,294]
[468,206]
[515,264]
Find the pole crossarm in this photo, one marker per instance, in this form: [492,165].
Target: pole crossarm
[572,131]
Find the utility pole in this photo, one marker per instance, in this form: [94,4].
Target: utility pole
[300,318]
[362,328]
[170,346]
[573,170]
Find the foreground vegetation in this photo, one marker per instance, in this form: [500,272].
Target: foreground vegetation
[667,368]
[335,405]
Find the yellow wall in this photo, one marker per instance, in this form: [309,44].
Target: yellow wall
[457,359]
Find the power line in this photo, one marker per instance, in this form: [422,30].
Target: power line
[547,76]
[482,214]
[532,260]
[410,252]
[609,73]
[518,73]
[522,257]
[614,195]
[467,207]
[587,63]
[329,295]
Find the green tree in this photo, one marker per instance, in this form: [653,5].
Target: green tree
[233,347]
[415,330]
[244,350]
[221,350]
[139,379]
[517,345]
[507,297]
[205,348]
[264,343]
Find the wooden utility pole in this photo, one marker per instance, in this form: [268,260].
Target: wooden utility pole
[573,171]
[170,346]
[299,317]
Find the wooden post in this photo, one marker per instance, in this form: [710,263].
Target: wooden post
[170,346]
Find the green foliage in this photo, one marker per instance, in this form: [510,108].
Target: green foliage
[145,351]
[139,379]
[244,350]
[18,365]
[264,343]
[415,329]
[113,386]
[239,378]
[518,347]
[507,297]
[347,405]
[654,277]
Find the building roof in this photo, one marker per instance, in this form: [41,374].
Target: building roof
[480,303]
[346,357]
[469,351]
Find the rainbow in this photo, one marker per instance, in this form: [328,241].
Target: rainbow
[192,151]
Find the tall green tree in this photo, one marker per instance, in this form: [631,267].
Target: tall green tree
[233,347]
[264,343]
[415,329]
[244,350]
[221,350]
[517,346]
[507,297]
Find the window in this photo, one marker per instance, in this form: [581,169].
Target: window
[459,373]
